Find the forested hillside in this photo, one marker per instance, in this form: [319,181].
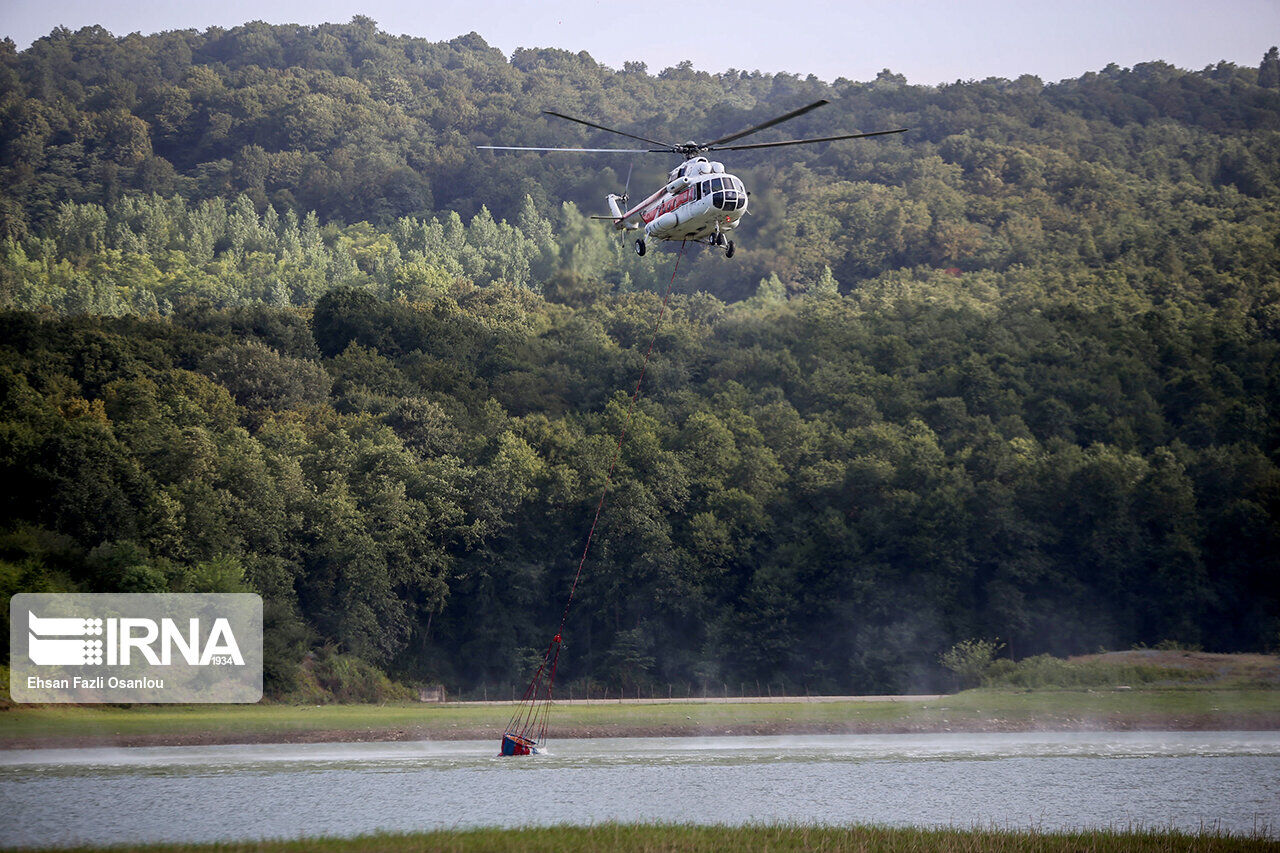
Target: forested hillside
[271,322]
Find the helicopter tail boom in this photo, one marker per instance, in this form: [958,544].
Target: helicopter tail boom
[614,207]
[619,216]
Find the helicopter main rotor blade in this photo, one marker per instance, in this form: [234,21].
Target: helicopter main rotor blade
[806,141]
[770,123]
[578,150]
[610,129]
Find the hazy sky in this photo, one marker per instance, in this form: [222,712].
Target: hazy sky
[930,41]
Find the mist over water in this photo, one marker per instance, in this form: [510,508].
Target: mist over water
[1189,780]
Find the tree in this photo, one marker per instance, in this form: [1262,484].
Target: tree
[1269,69]
[261,379]
[970,660]
[270,319]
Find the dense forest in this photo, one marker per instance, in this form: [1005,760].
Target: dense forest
[270,322]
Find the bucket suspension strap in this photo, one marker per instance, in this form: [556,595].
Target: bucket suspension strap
[529,723]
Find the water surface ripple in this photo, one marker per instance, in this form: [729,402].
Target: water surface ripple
[1190,780]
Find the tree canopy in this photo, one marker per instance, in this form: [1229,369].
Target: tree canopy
[271,322]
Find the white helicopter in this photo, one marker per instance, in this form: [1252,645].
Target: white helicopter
[701,202]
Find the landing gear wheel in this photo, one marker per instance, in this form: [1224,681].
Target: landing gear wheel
[728,253]
[640,247]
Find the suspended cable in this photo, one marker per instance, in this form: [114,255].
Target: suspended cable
[527,729]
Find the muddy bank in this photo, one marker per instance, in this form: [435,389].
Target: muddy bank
[1250,721]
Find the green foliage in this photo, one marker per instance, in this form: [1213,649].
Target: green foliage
[221,574]
[1046,671]
[1175,645]
[273,323]
[119,153]
[630,660]
[971,660]
[330,677]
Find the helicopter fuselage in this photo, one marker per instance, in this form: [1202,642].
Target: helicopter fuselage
[701,201]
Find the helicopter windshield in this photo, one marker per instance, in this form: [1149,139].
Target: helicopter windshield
[727,192]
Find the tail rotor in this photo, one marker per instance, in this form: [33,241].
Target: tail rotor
[620,204]
[626,190]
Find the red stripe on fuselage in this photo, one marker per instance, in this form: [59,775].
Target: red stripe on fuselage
[667,206]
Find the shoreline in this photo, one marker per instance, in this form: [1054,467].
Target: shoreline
[644,837]
[1173,708]
[1248,721]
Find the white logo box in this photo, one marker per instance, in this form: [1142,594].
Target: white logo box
[135,647]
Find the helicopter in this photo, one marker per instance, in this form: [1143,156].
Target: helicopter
[700,202]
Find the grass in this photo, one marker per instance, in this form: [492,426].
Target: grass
[1147,667]
[774,838]
[1171,707]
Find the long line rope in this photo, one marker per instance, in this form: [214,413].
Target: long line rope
[530,719]
[617,450]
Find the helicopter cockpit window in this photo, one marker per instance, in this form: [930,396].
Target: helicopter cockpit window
[728,193]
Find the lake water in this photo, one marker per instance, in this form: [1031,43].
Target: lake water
[1190,780]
